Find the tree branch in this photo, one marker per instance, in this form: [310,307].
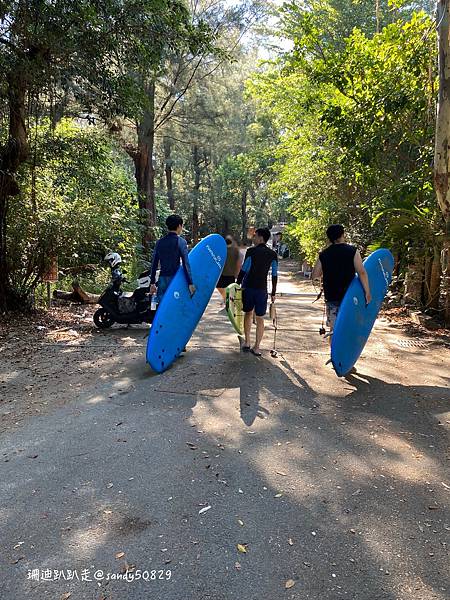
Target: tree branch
[164,118]
[8,43]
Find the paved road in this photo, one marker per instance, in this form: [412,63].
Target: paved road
[336,487]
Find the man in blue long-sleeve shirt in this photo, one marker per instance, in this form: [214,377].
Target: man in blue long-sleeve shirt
[169,251]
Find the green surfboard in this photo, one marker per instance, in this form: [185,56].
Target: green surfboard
[233,303]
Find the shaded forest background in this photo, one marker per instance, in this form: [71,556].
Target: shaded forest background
[233,114]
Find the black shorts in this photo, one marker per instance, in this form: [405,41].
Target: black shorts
[225,281]
[254,299]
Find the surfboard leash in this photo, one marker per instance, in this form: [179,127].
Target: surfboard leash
[322,330]
[273,314]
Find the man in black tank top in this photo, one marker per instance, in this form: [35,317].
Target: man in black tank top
[337,265]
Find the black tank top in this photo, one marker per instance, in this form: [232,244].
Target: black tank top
[338,270]
[262,258]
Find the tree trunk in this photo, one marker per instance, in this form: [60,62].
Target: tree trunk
[442,145]
[145,171]
[12,155]
[168,162]
[426,279]
[4,274]
[58,107]
[435,279]
[445,284]
[244,215]
[377,15]
[414,281]
[77,295]
[196,194]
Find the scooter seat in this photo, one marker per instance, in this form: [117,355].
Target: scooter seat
[126,294]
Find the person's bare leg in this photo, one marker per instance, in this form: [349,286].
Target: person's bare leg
[247,327]
[222,293]
[259,333]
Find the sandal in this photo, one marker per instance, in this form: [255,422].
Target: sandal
[255,352]
[246,349]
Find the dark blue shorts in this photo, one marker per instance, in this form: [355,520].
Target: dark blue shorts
[254,299]
[162,285]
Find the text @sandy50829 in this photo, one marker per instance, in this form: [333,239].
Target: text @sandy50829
[98,575]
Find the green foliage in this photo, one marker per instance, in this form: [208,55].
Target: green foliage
[356,123]
[75,57]
[78,201]
[235,150]
[94,51]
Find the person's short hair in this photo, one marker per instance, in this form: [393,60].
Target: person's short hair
[334,232]
[264,233]
[173,222]
[229,240]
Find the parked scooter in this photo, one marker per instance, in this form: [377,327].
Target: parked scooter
[118,306]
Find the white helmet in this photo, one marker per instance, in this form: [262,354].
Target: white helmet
[113,258]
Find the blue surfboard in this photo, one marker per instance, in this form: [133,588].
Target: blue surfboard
[355,320]
[178,313]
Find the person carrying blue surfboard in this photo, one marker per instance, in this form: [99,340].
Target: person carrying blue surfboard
[337,265]
[253,276]
[169,251]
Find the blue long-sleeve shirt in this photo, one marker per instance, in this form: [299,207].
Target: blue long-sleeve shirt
[169,251]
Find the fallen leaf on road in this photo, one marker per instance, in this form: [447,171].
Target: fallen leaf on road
[237,565]
[191,445]
[66,595]
[289,584]
[120,554]
[242,548]
[203,510]
[282,473]
[290,542]
[278,495]
[110,485]
[33,456]
[358,491]
[241,523]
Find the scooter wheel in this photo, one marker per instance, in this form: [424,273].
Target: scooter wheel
[103,319]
